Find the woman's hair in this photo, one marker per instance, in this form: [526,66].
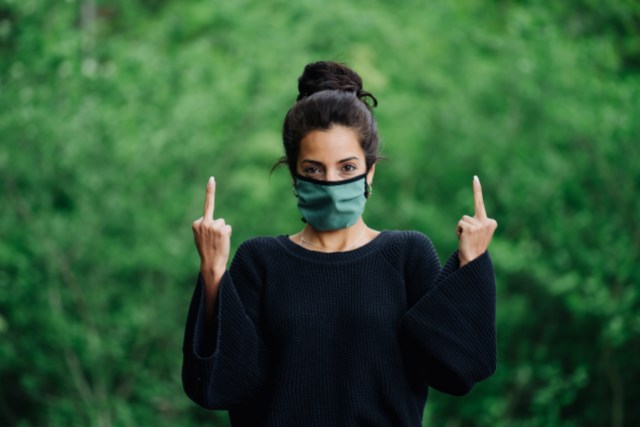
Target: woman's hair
[330,94]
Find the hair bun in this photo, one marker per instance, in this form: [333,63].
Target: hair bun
[327,75]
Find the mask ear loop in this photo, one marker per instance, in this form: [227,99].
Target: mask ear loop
[368,190]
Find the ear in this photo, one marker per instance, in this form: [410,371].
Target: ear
[370,174]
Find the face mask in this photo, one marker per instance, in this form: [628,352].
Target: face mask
[331,205]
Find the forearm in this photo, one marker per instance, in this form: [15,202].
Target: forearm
[211,278]
[453,326]
[223,361]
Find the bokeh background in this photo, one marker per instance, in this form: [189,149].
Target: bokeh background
[113,114]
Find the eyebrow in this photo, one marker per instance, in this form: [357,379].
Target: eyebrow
[315,162]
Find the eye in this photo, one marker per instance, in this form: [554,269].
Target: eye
[311,170]
[349,167]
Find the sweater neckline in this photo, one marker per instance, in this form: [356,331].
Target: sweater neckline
[332,257]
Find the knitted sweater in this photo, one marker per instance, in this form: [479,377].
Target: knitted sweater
[305,338]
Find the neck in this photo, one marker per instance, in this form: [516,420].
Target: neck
[335,240]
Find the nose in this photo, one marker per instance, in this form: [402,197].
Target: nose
[332,175]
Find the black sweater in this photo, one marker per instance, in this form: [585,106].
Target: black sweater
[305,338]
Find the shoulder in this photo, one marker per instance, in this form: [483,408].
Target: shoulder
[410,251]
[258,243]
[253,255]
[256,247]
[409,240]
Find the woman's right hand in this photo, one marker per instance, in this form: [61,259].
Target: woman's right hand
[212,238]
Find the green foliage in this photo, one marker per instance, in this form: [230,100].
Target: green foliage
[113,115]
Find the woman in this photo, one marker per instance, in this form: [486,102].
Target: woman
[338,324]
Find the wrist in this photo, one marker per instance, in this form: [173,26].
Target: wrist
[467,258]
[464,259]
[212,272]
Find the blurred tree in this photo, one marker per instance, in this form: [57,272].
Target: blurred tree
[113,114]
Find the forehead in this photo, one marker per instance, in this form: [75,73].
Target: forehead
[335,143]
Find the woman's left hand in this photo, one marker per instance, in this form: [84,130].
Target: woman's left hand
[475,233]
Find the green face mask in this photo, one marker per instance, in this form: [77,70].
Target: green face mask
[331,205]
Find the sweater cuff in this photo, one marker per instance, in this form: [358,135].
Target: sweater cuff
[479,268]
[456,320]
[205,333]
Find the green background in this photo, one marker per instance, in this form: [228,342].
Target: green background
[113,114]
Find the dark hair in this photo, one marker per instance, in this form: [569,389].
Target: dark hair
[330,94]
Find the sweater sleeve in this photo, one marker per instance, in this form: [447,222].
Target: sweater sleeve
[450,330]
[224,364]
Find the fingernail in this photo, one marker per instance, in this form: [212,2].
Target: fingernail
[475,178]
[212,179]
